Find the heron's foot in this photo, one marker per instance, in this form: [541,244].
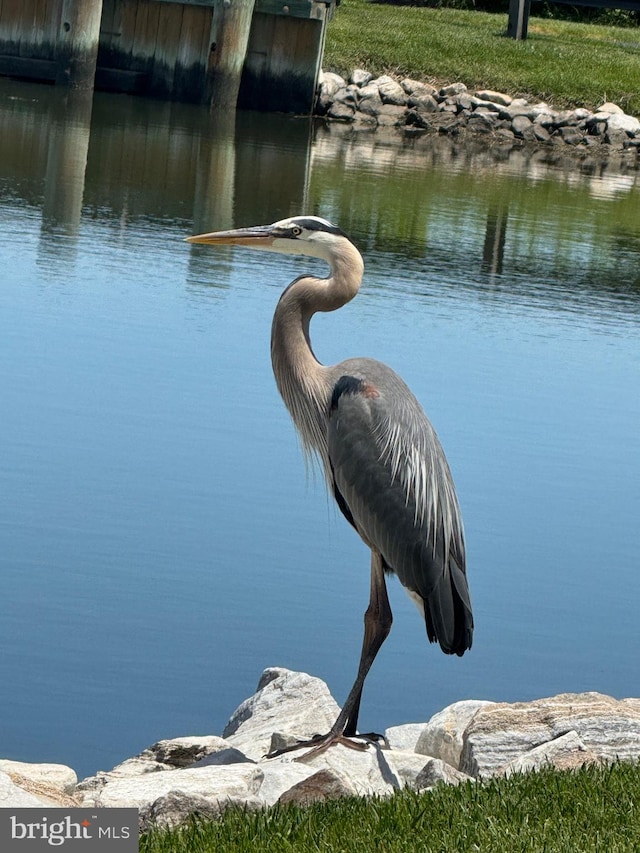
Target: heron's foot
[320,743]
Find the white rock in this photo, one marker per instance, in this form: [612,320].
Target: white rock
[365,772]
[494,97]
[237,782]
[452,89]
[360,77]
[417,88]
[281,774]
[436,771]
[629,124]
[610,108]
[15,797]
[566,752]
[404,737]
[329,83]
[442,736]
[292,703]
[494,106]
[392,93]
[164,755]
[500,733]
[57,776]
[406,765]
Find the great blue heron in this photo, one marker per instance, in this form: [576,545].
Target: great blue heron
[381,456]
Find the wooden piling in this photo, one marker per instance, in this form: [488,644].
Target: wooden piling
[78,39]
[230,36]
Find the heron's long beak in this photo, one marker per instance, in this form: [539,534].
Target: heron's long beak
[260,236]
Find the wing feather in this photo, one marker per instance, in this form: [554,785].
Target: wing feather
[391,473]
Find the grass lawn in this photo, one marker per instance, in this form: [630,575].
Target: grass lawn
[561,62]
[593,810]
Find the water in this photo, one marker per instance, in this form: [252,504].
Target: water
[160,543]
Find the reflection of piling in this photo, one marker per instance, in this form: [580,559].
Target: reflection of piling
[216,175]
[494,239]
[78,40]
[69,135]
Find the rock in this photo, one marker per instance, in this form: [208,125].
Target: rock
[442,737]
[219,785]
[367,773]
[482,122]
[452,108]
[369,101]
[176,807]
[515,109]
[566,752]
[349,95]
[541,133]
[416,88]
[571,134]
[331,83]
[163,755]
[404,737]
[341,112]
[522,126]
[56,776]
[290,702]
[610,108]
[505,135]
[476,103]
[321,786]
[16,797]
[615,138]
[436,771]
[500,733]
[360,77]
[281,774]
[418,119]
[494,97]
[370,92]
[423,103]
[452,89]
[629,124]
[565,118]
[392,93]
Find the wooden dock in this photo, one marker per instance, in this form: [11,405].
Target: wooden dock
[266,54]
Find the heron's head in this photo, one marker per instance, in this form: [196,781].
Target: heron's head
[298,235]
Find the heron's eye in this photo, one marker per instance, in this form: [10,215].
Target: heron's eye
[296,230]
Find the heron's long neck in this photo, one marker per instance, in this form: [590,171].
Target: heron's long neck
[304,383]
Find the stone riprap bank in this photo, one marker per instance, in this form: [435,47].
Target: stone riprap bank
[453,110]
[206,774]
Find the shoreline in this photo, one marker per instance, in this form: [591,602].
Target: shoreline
[417,109]
[467,742]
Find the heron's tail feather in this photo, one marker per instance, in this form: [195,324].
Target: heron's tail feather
[447,612]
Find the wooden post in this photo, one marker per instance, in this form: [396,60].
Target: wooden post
[230,36]
[518,19]
[78,38]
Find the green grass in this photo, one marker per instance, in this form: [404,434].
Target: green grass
[561,62]
[594,810]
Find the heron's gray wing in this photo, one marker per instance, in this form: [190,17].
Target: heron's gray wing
[392,481]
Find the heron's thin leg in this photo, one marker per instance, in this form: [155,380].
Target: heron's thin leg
[377,624]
